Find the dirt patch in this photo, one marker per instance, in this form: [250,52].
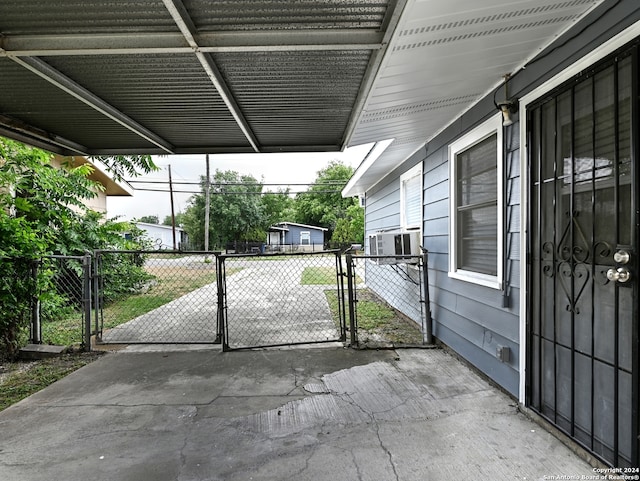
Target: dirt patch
[21,379]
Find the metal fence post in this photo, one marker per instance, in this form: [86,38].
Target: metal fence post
[428,334]
[221,279]
[352,301]
[86,300]
[96,292]
[36,325]
[340,296]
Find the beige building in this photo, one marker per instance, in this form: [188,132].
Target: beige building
[99,174]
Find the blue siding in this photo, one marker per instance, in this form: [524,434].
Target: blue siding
[293,235]
[468,317]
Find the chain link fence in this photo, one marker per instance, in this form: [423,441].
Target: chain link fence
[64,301]
[277,300]
[388,302]
[45,301]
[156,297]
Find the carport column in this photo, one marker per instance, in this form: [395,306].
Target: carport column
[352,301]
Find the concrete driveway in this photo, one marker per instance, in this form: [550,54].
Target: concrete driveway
[317,414]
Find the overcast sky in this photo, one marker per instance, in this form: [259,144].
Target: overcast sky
[295,168]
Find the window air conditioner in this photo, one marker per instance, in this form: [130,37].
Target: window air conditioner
[396,245]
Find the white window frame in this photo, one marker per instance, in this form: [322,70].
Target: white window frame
[480,133]
[305,235]
[415,171]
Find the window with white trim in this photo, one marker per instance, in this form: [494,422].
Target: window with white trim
[411,198]
[476,232]
[305,238]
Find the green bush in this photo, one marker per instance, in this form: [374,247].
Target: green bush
[42,212]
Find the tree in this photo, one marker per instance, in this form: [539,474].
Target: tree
[236,210]
[278,207]
[121,165]
[179,217]
[149,219]
[323,205]
[350,229]
[42,212]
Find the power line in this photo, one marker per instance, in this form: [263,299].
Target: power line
[327,183]
[242,193]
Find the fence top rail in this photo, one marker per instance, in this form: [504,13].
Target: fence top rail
[281,254]
[159,251]
[399,256]
[39,258]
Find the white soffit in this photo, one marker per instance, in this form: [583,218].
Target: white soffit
[445,56]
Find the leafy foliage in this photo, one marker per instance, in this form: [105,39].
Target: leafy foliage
[278,207]
[241,210]
[42,212]
[236,210]
[149,219]
[322,207]
[122,166]
[350,228]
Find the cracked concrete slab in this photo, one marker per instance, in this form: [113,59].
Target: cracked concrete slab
[315,414]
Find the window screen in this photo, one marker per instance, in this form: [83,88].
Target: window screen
[477,207]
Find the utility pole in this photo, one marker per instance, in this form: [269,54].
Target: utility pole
[207,207]
[173,215]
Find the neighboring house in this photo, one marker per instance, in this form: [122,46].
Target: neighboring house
[291,236]
[531,223]
[162,235]
[100,175]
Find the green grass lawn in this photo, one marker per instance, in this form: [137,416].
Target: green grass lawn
[318,276]
[169,284]
[377,321]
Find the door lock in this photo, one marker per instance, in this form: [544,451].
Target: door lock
[621,257]
[621,274]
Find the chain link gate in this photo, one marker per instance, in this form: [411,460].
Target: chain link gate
[281,299]
[156,297]
[388,301]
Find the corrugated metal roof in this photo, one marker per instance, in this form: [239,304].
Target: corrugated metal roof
[196,76]
[181,76]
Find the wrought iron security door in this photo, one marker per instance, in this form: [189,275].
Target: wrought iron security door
[582,303]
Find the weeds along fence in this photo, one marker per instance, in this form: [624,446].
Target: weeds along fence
[46,300]
[160,297]
[388,300]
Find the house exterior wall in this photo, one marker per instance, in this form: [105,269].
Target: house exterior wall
[161,235]
[472,319]
[292,236]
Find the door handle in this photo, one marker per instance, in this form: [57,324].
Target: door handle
[621,257]
[621,274]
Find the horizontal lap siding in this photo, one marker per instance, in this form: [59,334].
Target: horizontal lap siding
[468,318]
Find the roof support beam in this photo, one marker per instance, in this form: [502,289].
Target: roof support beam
[40,138]
[175,43]
[184,22]
[55,77]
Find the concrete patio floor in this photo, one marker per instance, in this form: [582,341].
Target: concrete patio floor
[330,413]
